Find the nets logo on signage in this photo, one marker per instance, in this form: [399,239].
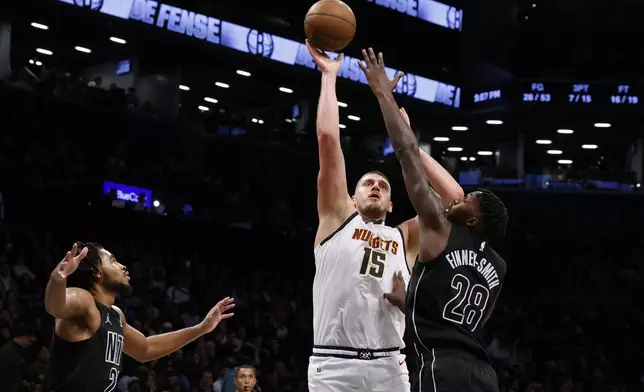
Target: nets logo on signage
[259,43]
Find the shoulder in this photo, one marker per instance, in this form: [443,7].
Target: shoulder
[120,312]
[83,295]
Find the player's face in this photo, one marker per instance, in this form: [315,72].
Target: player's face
[114,275]
[373,196]
[245,380]
[465,211]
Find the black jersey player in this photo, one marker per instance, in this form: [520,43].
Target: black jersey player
[91,333]
[458,276]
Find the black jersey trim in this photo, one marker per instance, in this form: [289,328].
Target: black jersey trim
[404,247]
[346,222]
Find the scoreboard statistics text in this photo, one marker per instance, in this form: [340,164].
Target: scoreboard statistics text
[559,94]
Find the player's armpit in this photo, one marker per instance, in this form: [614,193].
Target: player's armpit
[411,235]
[135,343]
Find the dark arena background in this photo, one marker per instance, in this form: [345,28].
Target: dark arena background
[187,147]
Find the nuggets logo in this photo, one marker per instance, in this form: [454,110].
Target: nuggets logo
[260,44]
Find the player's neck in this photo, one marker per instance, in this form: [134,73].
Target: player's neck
[104,297]
[374,219]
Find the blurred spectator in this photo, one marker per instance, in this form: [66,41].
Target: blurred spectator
[14,358]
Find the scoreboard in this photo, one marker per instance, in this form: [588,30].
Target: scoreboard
[559,94]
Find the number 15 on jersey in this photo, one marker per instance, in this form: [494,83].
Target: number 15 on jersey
[373,263]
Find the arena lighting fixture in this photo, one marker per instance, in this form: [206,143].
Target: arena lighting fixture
[555,152]
[485,153]
[242,72]
[354,118]
[82,49]
[38,63]
[463,158]
[184,88]
[589,146]
[441,139]
[342,104]
[455,149]
[459,128]
[211,100]
[156,203]
[289,120]
[203,108]
[254,120]
[565,131]
[494,122]
[31,61]
[45,51]
[342,126]
[118,40]
[564,162]
[544,141]
[39,26]
[286,90]
[472,159]
[602,125]
[222,85]
[260,121]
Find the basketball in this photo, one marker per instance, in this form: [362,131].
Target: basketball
[330,25]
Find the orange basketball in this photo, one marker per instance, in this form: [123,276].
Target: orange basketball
[330,25]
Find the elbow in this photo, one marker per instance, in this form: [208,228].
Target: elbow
[409,149]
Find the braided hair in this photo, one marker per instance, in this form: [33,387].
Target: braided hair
[495,215]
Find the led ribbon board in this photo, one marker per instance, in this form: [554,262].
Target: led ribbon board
[428,10]
[247,40]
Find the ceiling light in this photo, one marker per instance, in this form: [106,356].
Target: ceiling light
[45,51]
[243,73]
[354,118]
[39,26]
[38,63]
[184,88]
[254,120]
[589,146]
[463,158]
[211,100]
[289,120]
[564,162]
[31,61]
[286,90]
[82,49]
[203,108]
[565,131]
[544,141]
[342,104]
[485,153]
[455,149]
[222,85]
[459,128]
[260,121]
[602,125]
[118,40]
[494,122]
[472,159]
[342,126]
[441,139]
[555,152]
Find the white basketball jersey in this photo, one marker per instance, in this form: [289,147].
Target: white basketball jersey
[354,269]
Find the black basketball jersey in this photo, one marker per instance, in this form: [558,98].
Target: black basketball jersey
[448,297]
[91,365]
